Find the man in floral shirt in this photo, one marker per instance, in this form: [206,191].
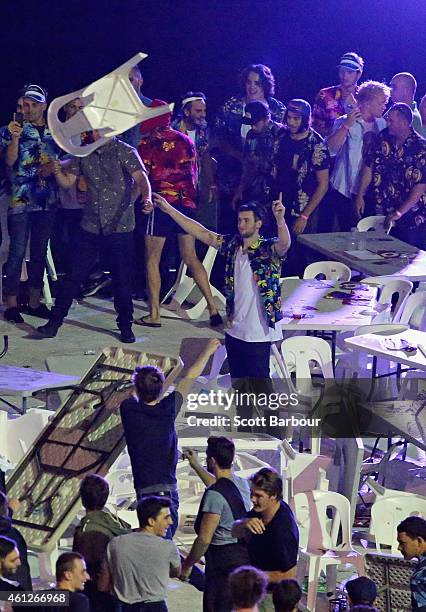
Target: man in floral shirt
[169,157]
[395,176]
[252,290]
[303,163]
[333,102]
[29,153]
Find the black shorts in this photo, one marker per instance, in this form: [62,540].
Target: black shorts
[162,225]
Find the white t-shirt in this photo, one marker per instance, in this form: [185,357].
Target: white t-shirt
[191,135]
[249,323]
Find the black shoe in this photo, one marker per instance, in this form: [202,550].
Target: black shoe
[49,330]
[127,336]
[216,320]
[13,315]
[93,286]
[42,311]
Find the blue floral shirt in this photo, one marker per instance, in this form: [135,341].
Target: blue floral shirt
[266,267]
[30,190]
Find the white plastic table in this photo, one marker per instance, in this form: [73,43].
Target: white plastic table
[374,253]
[307,298]
[23,382]
[373,344]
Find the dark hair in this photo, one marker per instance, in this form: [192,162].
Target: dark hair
[248,586]
[149,381]
[7,545]
[362,590]
[65,563]
[222,450]
[4,504]
[364,608]
[269,481]
[192,94]
[253,207]
[403,110]
[150,507]
[94,491]
[414,527]
[286,595]
[267,80]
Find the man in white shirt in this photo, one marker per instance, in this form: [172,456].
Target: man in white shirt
[252,290]
[349,140]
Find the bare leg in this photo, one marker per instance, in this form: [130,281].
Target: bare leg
[189,257]
[153,248]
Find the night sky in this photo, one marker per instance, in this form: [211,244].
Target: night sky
[202,44]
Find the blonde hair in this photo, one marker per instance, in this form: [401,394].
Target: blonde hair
[369,89]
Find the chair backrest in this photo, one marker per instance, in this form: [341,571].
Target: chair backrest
[375,222]
[388,512]
[302,470]
[111,105]
[298,351]
[413,312]
[120,483]
[331,270]
[18,434]
[400,286]
[317,531]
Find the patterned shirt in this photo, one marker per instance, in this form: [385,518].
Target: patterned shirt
[418,585]
[169,157]
[396,170]
[266,266]
[227,128]
[312,156]
[108,174]
[259,156]
[30,190]
[328,106]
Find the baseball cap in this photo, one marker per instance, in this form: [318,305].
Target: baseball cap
[300,107]
[254,112]
[361,590]
[36,93]
[351,61]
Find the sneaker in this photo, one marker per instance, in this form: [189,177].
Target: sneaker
[93,286]
[42,311]
[127,336]
[49,330]
[13,315]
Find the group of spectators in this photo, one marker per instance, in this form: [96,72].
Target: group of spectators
[245,532]
[327,165]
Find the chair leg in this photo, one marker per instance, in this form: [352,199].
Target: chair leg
[313,575]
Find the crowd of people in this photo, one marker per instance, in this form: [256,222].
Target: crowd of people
[328,165]
[245,532]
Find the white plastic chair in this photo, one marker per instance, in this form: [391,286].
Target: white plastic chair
[120,486]
[387,288]
[413,312]
[386,514]
[301,472]
[18,434]
[332,270]
[375,222]
[299,351]
[49,270]
[322,552]
[111,105]
[184,286]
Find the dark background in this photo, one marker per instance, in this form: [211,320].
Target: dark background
[202,44]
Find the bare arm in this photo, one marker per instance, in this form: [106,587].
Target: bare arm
[365,180]
[337,138]
[278,576]
[283,243]
[189,225]
[184,385]
[142,185]
[208,526]
[64,179]
[12,149]
[244,527]
[413,197]
[322,188]
[207,478]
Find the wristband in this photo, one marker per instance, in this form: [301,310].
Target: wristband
[397,213]
[305,217]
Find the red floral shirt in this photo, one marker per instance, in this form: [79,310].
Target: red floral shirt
[328,106]
[170,161]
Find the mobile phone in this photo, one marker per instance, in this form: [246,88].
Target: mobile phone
[18,118]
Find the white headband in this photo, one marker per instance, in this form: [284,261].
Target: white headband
[191,99]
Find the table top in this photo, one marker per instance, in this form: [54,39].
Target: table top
[407,418]
[374,344]
[307,298]
[373,253]
[24,381]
